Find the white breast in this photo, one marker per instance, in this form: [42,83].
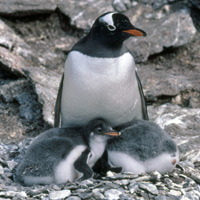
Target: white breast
[65,170]
[99,87]
[162,163]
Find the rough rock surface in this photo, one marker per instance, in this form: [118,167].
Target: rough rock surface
[173,30]
[32,53]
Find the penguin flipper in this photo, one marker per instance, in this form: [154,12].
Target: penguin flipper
[82,167]
[144,107]
[57,108]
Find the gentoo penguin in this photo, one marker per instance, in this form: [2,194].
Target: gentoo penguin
[63,154]
[100,78]
[143,147]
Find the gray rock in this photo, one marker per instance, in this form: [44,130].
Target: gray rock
[149,188]
[182,125]
[1,170]
[15,54]
[162,197]
[11,194]
[62,194]
[46,85]
[97,193]
[159,3]
[112,194]
[83,13]
[11,164]
[73,198]
[174,193]
[121,5]
[133,187]
[174,30]
[26,8]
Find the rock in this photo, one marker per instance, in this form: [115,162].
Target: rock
[173,30]
[83,13]
[159,3]
[162,197]
[175,193]
[133,187]
[182,124]
[73,198]
[15,54]
[11,164]
[196,3]
[46,89]
[97,194]
[121,5]
[158,83]
[112,194]
[26,8]
[1,170]
[149,188]
[11,194]
[62,194]
[18,98]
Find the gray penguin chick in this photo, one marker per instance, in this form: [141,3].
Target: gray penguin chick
[63,154]
[143,147]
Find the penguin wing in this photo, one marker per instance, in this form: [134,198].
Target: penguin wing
[57,108]
[144,107]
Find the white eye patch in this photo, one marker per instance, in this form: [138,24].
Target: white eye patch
[107,19]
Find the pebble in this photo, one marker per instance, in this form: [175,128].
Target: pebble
[181,184]
[112,194]
[59,194]
[11,164]
[1,170]
[149,188]
[175,193]
[73,198]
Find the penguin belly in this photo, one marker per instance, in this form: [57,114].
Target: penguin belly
[65,170]
[99,87]
[162,163]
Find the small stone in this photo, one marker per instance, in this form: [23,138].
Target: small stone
[175,193]
[155,176]
[1,170]
[121,5]
[73,198]
[85,195]
[168,181]
[59,194]
[11,164]
[149,188]
[97,194]
[112,194]
[133,187]
[122,182]
[87,182]
[162,197]
[10,194]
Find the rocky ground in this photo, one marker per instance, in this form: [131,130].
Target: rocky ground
[35,37]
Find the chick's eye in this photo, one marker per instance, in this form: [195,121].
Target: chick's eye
[111,27]
[99,130]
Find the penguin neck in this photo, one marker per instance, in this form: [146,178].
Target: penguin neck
[94,46]
[97,146]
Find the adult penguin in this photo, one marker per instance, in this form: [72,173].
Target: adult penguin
[100,77]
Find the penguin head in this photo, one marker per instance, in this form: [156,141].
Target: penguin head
[114,28]
[100,129]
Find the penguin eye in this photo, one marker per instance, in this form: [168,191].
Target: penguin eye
[99,130]
[111,27]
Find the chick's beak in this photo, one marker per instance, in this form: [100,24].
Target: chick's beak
[113,133]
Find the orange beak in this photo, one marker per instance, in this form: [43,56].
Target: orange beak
[113,133]
[135,32]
